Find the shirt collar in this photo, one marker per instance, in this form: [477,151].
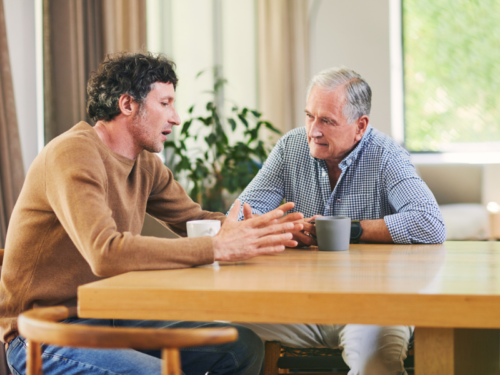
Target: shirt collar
[349,159]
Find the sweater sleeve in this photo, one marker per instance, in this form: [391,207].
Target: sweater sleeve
[75,185]
[170,203]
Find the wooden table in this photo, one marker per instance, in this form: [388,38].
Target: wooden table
[440,289]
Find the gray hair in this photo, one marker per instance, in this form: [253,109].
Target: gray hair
[357,91]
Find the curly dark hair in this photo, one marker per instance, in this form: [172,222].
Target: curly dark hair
[125,73]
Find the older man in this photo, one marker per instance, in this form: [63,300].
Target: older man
[339,165]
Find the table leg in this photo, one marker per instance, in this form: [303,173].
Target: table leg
[448,351]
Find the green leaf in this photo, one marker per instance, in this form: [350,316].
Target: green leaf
[190,110]
[209,106]
[205,120]
[201,171]
[184,164]
[232,123]
[200,73]
[270,126]
[234,109]
[256,113]
[254,133]
[219,83]
[225,139]
[216,120]
[260,151]
[194,192]
[186,126]
[170,144]
[243,120]
[211,139]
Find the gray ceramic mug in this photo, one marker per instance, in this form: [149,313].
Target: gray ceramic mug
[333,232]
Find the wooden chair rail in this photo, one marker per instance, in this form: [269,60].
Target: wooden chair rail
[4,369]
[40,326]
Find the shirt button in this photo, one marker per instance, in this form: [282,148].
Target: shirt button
[338,200]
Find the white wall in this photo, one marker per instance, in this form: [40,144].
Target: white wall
[355,34]
[20,20]
[240,51]
[491,183]
[190,41]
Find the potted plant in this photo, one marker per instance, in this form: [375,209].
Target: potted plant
[216,165]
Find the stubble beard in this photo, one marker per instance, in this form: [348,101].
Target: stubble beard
[141,132]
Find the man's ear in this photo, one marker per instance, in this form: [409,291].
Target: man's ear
[128,106]
[361,126]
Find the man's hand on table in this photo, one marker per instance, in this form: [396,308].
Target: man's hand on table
[265,234]
[307,237]
[374,231]
[301,237]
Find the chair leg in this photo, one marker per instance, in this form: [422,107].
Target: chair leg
[171,362]
[34,360]
[272,354]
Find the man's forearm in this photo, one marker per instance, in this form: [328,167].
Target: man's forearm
[375,231]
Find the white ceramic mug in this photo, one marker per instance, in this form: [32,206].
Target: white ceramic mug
[200,228]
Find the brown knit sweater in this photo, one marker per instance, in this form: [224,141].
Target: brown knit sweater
[78,219]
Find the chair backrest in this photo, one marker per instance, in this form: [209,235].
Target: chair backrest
[40,325]
[453,183]
[4,368]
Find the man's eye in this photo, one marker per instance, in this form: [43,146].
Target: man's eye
[164,104]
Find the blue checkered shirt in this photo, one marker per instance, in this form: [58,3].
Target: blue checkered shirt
[377,181]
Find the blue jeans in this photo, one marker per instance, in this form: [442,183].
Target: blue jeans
[244,356]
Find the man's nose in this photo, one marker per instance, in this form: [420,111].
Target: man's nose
[175,119]
[314,131]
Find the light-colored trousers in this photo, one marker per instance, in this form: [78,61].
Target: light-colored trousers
[367,349]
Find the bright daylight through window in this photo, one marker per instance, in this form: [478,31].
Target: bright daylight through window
[452,75]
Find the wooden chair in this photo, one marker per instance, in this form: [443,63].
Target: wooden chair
[41,326]
[314,361]
[4,368]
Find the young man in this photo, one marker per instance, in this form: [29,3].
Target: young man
[79,216]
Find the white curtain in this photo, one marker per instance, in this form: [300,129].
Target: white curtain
[11,161]
[78,34]
[283,48]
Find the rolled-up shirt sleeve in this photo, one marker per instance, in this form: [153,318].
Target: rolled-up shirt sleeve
[266,191]
[418,218]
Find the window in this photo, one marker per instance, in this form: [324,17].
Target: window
[452,75]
